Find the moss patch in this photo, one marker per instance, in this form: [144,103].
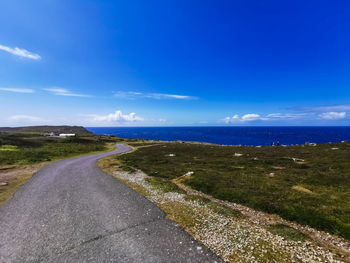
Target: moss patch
[164,185]
[288,233]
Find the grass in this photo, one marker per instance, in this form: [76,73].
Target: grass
[8,148]
[7,191]
[288,233]
[164,185]
[313,189]
[30,148]
[23,153]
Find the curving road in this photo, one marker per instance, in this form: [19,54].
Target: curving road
[71,211]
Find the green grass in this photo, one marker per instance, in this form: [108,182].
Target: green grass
[288,233]
[8,148]
[164,185]
[315,192]
[29,148]
[19,151]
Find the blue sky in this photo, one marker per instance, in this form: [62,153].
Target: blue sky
[167,63]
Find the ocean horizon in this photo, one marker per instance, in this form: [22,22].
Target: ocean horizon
[238,135]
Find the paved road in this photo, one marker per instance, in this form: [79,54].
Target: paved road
[71,211]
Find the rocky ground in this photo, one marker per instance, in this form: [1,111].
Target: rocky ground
[235,235]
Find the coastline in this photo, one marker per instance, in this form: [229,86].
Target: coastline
[232,136]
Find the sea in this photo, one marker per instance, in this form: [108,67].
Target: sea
[253,136]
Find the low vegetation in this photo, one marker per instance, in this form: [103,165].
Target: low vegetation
[25,150]
[288,233]
[307,184]
[47,129]
[29,148]
[233,234]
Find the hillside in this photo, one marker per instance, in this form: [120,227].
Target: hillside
[45,129]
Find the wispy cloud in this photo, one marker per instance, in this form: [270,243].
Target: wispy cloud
[287,116]
[269,117]
[64,92]
[17,90]
[25,118]
[20,52]
[169,96]
[333,115]
[117,117]
[325,108]
[158,96]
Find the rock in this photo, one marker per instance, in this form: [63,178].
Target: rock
[189,173]
[310,144]
[3,183]
[297,160]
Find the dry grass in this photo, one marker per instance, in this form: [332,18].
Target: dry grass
[14,177]
[302,189]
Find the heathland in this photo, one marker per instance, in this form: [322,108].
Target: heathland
[308,184]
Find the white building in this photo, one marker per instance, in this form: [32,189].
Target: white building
[67,135]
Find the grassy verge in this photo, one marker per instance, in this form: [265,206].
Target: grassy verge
[17,177]
[306,184]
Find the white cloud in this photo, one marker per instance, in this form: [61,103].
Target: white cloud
[234,118]
[171,96]
[246,117]
[65,92]
[17,90]
[25,118]
[20,52]
[270,117]
[117,117]
[250,117]
[135,95]
[332,115]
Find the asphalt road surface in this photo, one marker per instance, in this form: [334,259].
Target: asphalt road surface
[71,211]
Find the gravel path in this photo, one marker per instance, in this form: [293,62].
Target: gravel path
[71,211]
